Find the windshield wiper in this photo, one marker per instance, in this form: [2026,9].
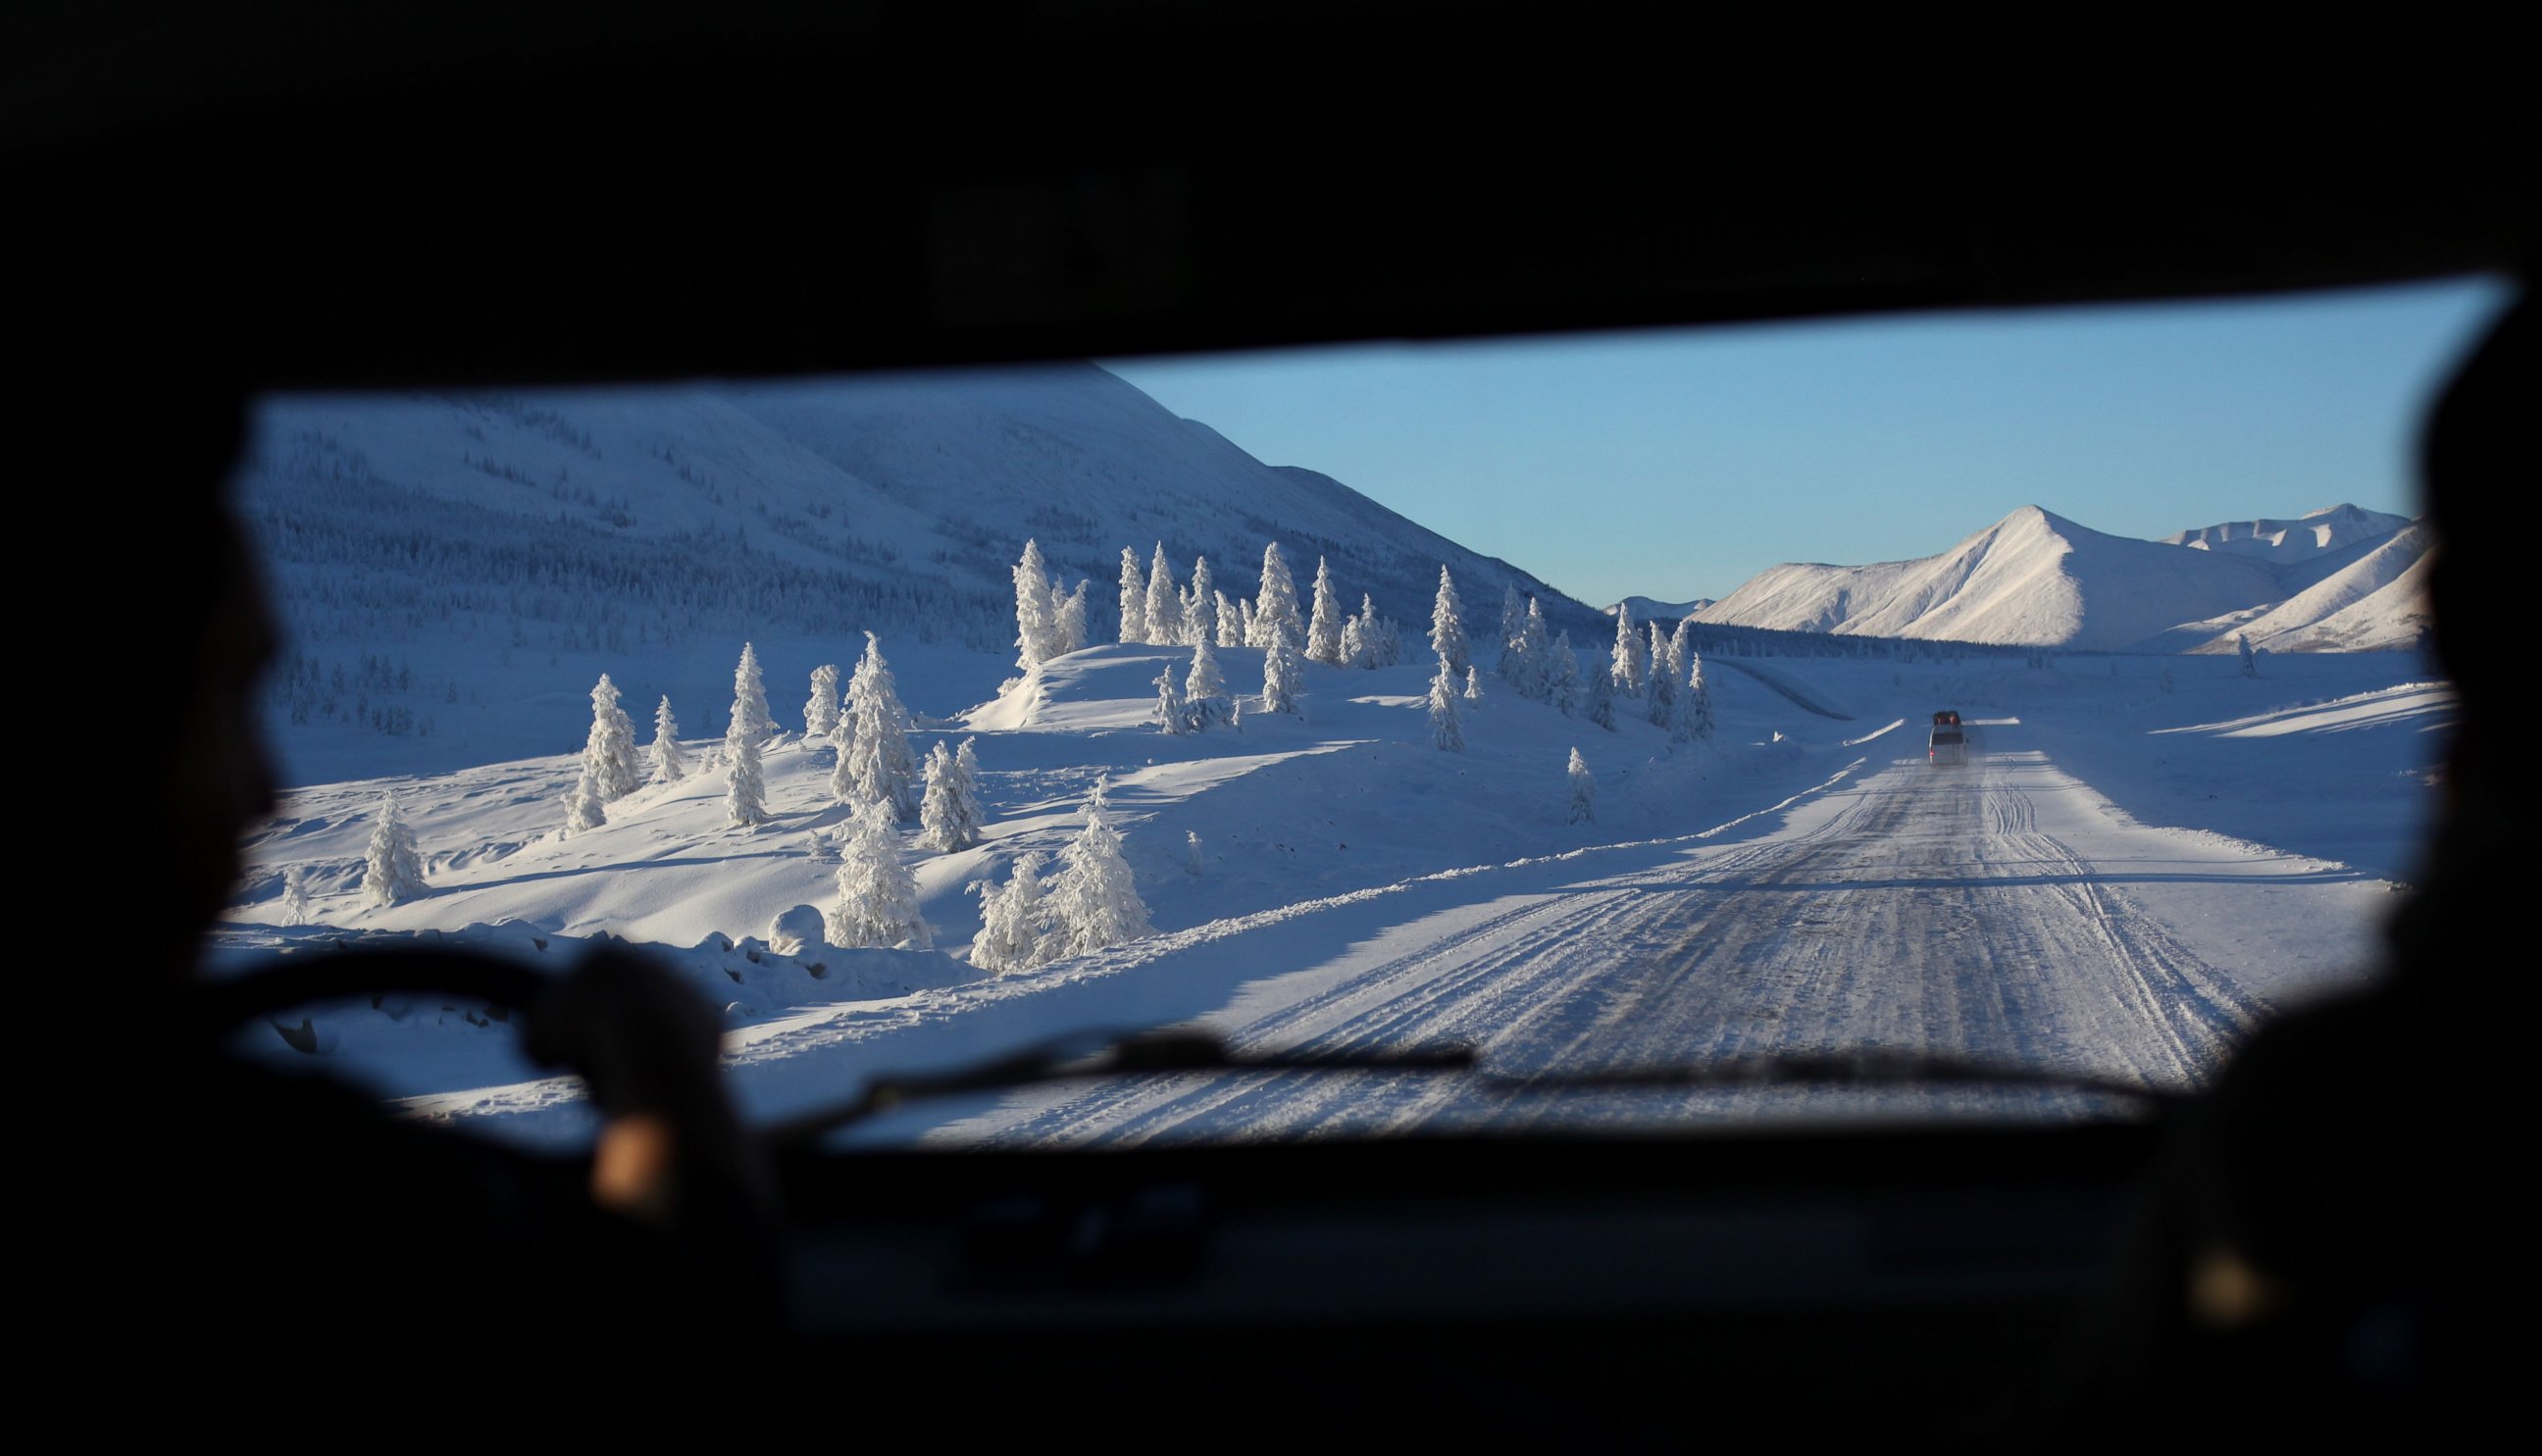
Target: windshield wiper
[1086,1057]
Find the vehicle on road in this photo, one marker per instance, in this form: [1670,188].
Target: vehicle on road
[1949,743]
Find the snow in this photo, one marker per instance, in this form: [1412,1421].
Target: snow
[2235,839]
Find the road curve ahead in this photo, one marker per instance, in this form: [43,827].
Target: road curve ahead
[1920,909]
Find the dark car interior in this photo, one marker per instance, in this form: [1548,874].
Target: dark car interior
[472,194]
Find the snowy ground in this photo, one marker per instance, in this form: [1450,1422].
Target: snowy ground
[2127,875]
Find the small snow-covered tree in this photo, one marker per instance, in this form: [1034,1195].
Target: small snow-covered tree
[1357,649]
[1680,650]
[1694,714]
[1584,791]
[295,894]
[1324,630]
[1134,599]
[1601,699]
[1629,666]
[1243,632]
[609,750]
[393,870]
[821,708]
[1446,726]
[1013,919]
[1205,690]
[1654,656]
[1531,657]
[1661,702]
[583,803]
[1067,619]
[1473,685]
[1094,901]
[1447,626]
[877,895]
[1192,864]
[1036,616]
[1165,603]
[949,813]
[1171,713]
[669,763]
[1199,605]
[1513,617]
[1275,608]
[1562,676]
[1282,674]
[878,761]
[745,800]
[2250,663]
[1385,639]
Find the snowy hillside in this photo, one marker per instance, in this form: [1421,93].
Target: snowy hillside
[454,571]
[2037,578]
[1651,608]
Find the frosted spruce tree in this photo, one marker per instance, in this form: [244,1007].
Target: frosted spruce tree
[584,803]
[1193,864]
[1012,920]
[1680,650]
[1601,699]
[1231,616]
[1205,690]
[1134,599]
[877,895]
[1630,665]
[1357,651]
[1094,901]
[1036,616]
[1473,685]
[1067,619]
[1283,673]
[877,761]
[821,710]
[1661,702]
[1447,626]
[1695,715]
[1199,605]
[1165,603]
[670,765]
[1324,628]
[295,895]
[609,750]
[745,800]
[1447,724]
[1531,666]
[393,870]
[1513,617]
[1653,657]
[948,813]
[1275,608]
[1562,688]
[1584,791]
[1171,713]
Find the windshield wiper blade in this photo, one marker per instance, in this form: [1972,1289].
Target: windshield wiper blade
[1083,1056]
[1869,1067]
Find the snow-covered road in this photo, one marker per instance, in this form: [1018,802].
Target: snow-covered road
[1998,909]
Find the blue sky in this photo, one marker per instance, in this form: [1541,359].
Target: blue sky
[1678,463]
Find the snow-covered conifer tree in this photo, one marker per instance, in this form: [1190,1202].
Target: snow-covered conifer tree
[1192,864]
[1680,650]
[1171,713]
[393,870]
[1653,657]
[583,803]
[877,895]
[1513,618]
[1283,673]
[1165,603]
[1584,791]
[949,815]
[1275,608]
[745,799]
[1447,626]
[1199,605]
[609,750]
[1386,640]
[669,763]
[1067,619]
[1695,715]
[1530,658]
[1230,620]
[1205,691]
[821,710]
[1357,651]
[1324,630]
[1562,679]
[1446,727]
[1474,684]
[2250,664]
[1012,920]
[1244,622]
[295,893]
[1134,599]
[1662,701]
[1036,616]
[1094,901]
[878,759]
[1601,699]
[1630,665]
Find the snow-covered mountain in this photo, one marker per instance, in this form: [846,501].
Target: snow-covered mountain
[459,568]
[1651,608]
[2340,579]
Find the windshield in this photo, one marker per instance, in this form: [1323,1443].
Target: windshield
[1554,701]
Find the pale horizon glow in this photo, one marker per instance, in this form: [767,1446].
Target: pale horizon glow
[1678,463]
